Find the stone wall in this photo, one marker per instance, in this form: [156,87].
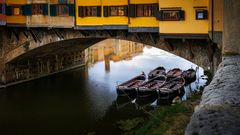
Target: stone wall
[219,110]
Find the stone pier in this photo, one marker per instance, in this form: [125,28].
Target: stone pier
[219,110]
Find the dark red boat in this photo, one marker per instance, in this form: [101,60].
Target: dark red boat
[189,76]
[176,72]
[157,72]
[150,87]
[172,88]
[129,87]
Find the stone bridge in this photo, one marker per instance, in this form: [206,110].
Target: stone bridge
[23,46]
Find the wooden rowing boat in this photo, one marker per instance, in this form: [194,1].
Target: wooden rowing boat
[150,87]
[129,87]
[189,76]
[157,72]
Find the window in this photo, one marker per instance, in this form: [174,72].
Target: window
[172,15]
[37,9]
[144,10]
[62,10]
[117,11]
[201,14]
[17,10]
[90,11]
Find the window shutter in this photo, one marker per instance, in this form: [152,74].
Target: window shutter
[27,10]
[99,11]
[155,9]
[45,9]
[80,11]
[71,9]
[106,10]
[126,10]
[160,15]
[9,10]
[3,9]
[205,12]
[132,10]
[182,15]
[53,10]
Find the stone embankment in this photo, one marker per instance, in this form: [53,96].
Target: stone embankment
[219,110]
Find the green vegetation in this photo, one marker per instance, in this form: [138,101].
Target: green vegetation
[230,53]
[165,120]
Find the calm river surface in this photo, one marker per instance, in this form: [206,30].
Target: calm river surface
[83,100]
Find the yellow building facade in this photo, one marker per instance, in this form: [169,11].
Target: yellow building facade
[190,24]
[162,16]
[14,12]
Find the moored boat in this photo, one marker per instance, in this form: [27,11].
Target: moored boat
[172,88]
[176,72]
[129,87]
[157,72]
[150,87]
[189,76]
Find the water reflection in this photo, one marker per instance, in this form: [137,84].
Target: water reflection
[85,100]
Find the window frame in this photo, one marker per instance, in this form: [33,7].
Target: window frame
[177,18]
[142,10]
[65,14]
[40,6]
[118,10]
[90,7]
[20,10]
[204,13]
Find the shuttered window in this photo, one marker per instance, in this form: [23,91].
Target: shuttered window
[117,11]
[89,11]
[144,10]
[62,10]
[39,9]
[172,15]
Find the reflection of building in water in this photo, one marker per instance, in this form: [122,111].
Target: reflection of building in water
[112,49]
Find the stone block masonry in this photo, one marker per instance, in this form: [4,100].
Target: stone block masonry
[219,110]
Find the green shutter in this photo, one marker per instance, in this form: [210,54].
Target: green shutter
[182,15]
[99,11]
[53,10]
[45,9]
[132,10]
[71,9]
[155,9]
[126,10]
[80,11]
[8,10]
[27,10]
[106,10]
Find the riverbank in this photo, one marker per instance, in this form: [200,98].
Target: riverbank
[164,120]
[41,76]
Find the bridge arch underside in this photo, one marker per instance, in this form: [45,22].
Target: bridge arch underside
[55,51]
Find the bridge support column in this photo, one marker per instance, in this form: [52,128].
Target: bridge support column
[219,110]
[231,27]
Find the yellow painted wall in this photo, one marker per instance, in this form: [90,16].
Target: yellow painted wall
[218,15]
[114,20]
[190,24]
[16,19]
[88,21]
[143,21]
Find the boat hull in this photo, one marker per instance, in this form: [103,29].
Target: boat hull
[126,91]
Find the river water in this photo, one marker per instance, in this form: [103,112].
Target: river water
[84,100]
